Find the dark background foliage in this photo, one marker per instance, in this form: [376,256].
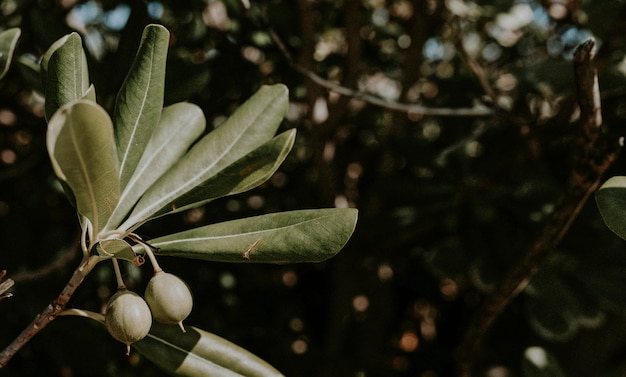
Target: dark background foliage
[448,204]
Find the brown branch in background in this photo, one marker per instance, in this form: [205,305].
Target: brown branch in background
[584,180]
[587,87]
[478,72]
[62,261]
[413,109]
[5,285]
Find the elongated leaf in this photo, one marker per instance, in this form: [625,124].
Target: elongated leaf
[83,149]
[253,124]
[140,100]
[170,196]
[8,41]
[245,174]
[285,237]
[200,353]
[64,73]
[51,140]
[193,353]
[180,125]
[611,201]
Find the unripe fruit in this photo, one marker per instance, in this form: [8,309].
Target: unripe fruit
[127,318]
[169,298]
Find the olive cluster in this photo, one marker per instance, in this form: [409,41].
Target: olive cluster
[167,299]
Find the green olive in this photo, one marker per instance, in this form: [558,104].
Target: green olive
[127,318]
[169,298]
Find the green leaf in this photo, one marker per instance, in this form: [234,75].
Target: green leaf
[297,236]
[64,73]
[199,353]
[193,353]
[8,41]
[115,248]
[252,125]
[140,100]
[173,194]
[180,125]
[82,150]
[611,201]
[538,362]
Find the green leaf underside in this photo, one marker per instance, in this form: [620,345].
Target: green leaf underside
[245,174]
[8,41]
[65,74]
[51,139]
[611,201]
[140,100]
[199,353]
[180,125]
[253,124]
[84,151]
[115,248]
[285,237]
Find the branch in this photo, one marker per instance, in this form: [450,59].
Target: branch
[412,109]
[5,285]
[584,180]
[51,311]
[476,69]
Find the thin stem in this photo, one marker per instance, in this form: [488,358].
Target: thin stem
[148,248]
[83,313]
[478,72]
[118,274]
[83,241]
[155,264]
[51,311]
[413,109]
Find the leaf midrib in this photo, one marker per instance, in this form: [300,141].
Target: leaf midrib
[84,171]
[79,73]
[143,103]
[184,188]
[198,239]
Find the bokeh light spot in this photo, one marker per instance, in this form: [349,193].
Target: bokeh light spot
[228,280]
[8,157]
[299,346]
[290,278]
[7,117]
[360,303]
[385,272]
[409,341]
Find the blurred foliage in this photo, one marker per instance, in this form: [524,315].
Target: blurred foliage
[447,204]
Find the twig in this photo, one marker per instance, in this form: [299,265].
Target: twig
[51,311]
[587,86]
[59,263]
[99,317]
[478,72]
[413,109]
[584,180]
[5,285]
